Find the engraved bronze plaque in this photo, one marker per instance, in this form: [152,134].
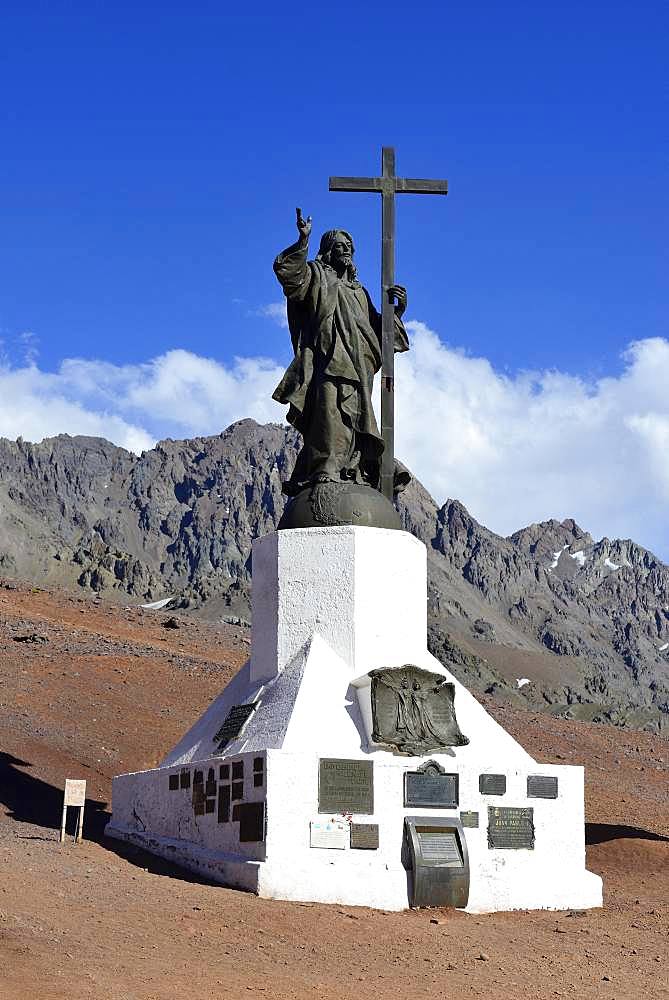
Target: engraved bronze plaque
[345,786]
[470,819]
[439,845]
[224,804]
[431,786]
[542,786]
[233,724]
[184,780]
[238,770]
[413,711]
[492,784]
[510,828]
[251,822]
[238,789]
[365,836]
[174,782]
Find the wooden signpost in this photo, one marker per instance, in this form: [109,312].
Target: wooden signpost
[75,795]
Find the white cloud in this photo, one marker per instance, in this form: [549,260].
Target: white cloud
[36,404]
[514,449]
[275,311]
[540,444]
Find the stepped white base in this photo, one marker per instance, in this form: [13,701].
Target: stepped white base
[329,606]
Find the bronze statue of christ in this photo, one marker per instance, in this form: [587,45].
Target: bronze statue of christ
[336,336]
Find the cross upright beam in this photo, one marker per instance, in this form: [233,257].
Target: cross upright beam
[388,185]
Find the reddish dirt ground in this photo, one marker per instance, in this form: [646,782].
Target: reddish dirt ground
[104,689]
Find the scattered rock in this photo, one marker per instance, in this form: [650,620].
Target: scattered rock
[31,637]
[171,623]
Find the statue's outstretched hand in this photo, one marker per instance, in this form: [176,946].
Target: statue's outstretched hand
[303,225]
[398,293]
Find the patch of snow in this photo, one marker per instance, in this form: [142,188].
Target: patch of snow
[522,681]
[578,557]
[556,556]
[664,646]
[611,565]
[157,605]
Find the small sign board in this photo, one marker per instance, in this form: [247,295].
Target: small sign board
[74,795]
[75,792]
[332,833]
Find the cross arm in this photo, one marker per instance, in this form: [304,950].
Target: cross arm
[414,185]
[356,184]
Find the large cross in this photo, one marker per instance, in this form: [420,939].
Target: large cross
[388,185]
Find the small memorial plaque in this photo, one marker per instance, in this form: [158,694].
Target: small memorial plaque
[492,784]
[251,822]
[469,818]
[510,828]
[345,786]
[224,804]
[542,786]
[365,836]
[431,786]
[233,724]
[329,833]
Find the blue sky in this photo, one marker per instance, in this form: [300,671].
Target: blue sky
[152,156]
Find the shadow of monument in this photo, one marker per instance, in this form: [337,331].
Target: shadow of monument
[29,799]
[601,833]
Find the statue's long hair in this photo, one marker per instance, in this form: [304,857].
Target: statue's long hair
[324,251]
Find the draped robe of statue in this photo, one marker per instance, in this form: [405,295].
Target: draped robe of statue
[336,336]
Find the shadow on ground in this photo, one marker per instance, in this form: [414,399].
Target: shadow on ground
[600,833]
[29,799]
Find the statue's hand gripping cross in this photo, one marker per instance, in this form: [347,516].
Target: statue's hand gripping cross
[388,185]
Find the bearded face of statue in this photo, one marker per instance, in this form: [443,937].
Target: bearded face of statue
[341,253]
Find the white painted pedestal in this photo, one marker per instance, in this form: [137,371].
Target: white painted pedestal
[329,605]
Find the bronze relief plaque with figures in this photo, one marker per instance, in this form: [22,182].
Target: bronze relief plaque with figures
[413,711]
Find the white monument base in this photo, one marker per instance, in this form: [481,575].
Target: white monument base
[329,606]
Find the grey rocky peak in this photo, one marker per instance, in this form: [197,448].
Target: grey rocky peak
[547,616]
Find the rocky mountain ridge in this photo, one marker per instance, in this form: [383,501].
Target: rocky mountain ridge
[547,616]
